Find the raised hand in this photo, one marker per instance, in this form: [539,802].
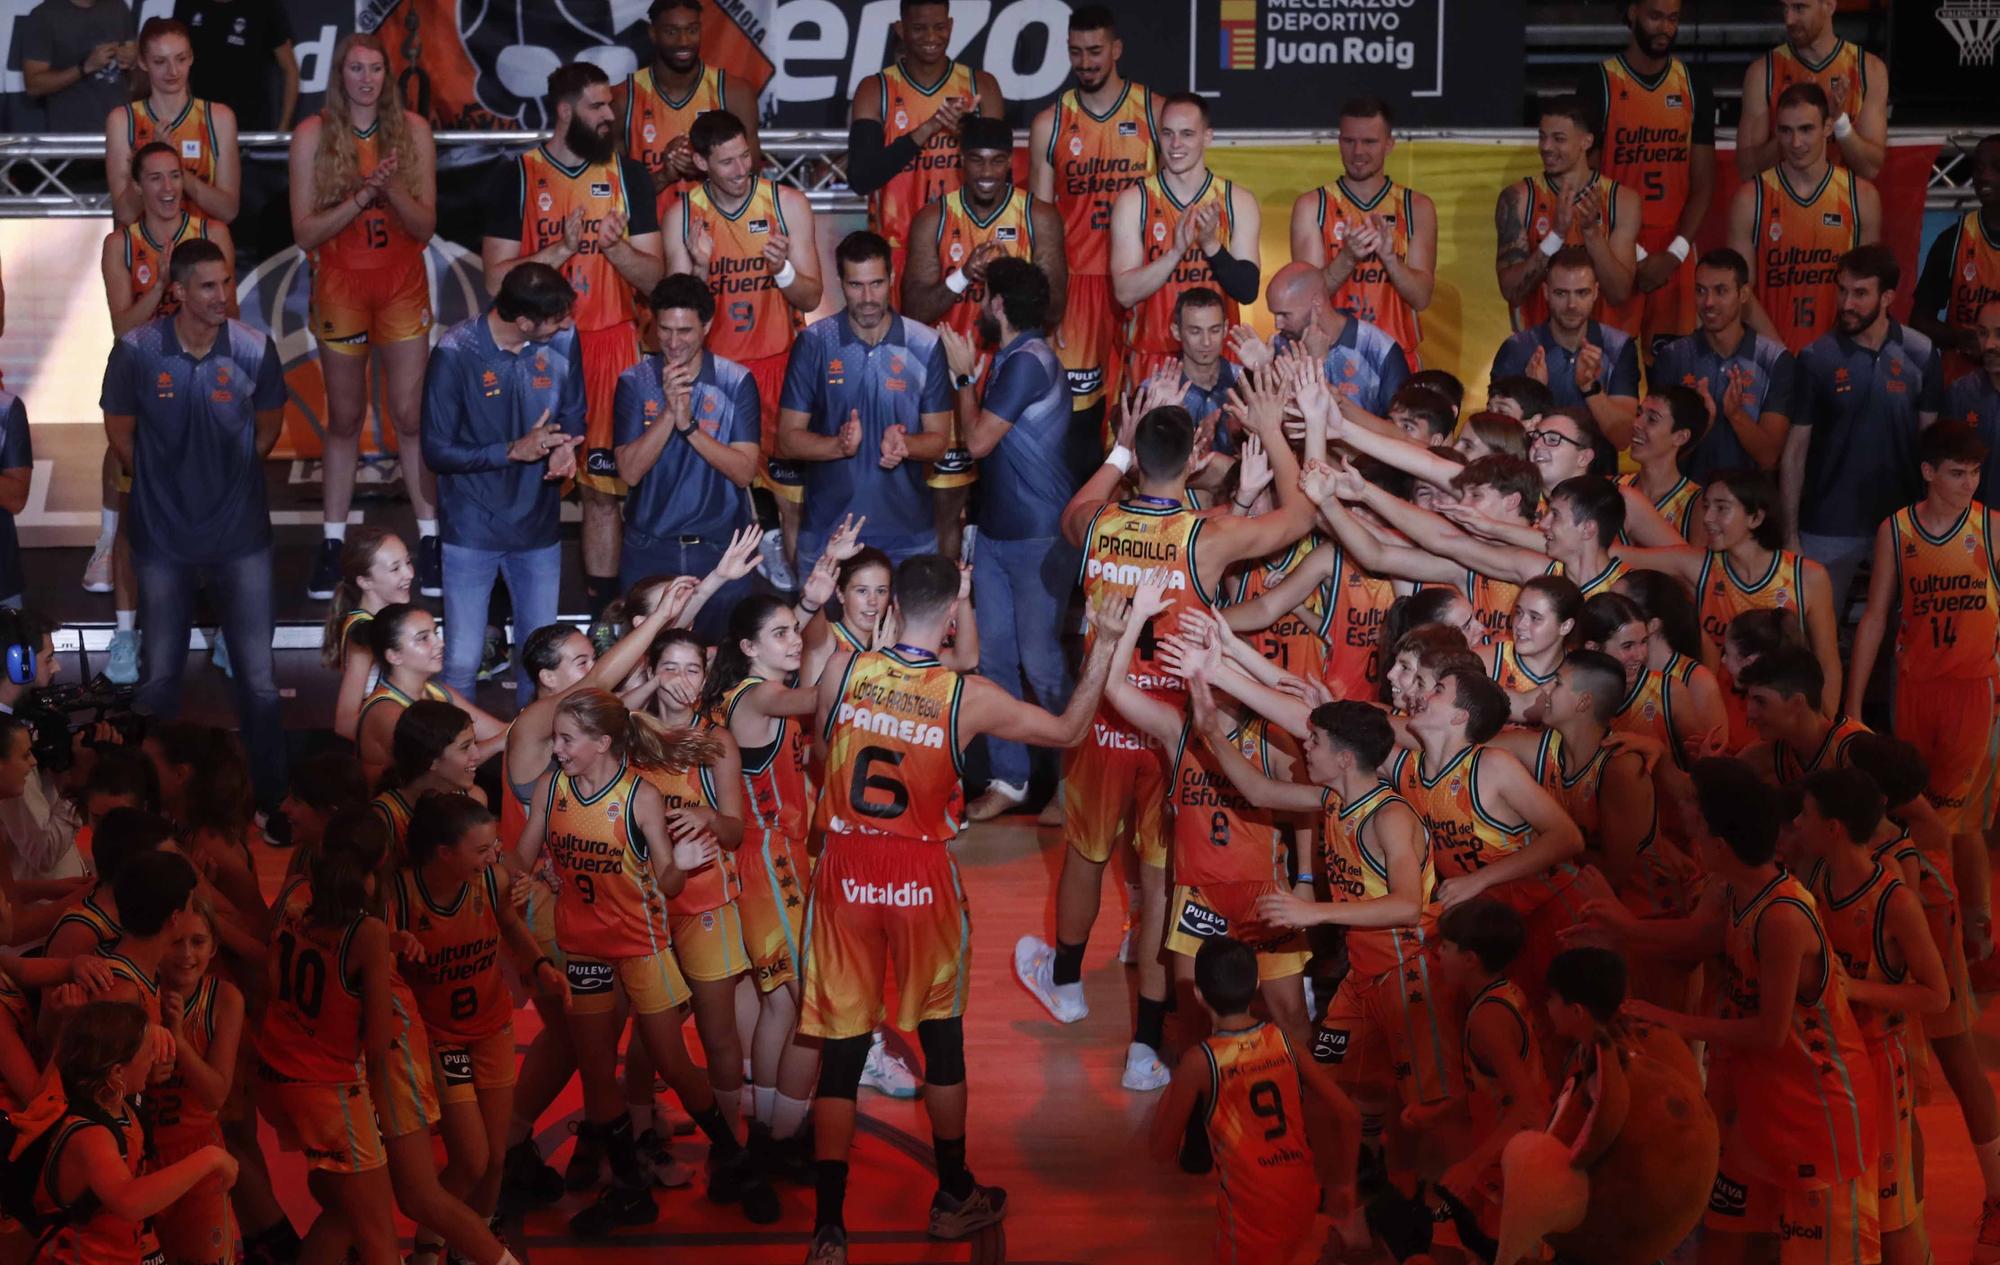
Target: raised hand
[611,229]
[819,585]
[959,351]
[573,231]
[673,600]
[1201,707]
[1185,655]
[744,555]
[1736,394]
[1707,399]
[982,254]
[1590,213]
[1538,366]
[850,434]
[1250,349]
[1208,227]
[1253,472]
[1108,615]
[1348,484]
[1589,363]
[777,250]
[702,249]
[1316,480]
[846,539]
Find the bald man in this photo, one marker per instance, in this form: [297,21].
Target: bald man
[1362,362]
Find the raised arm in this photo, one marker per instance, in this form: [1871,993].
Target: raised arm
[988,709]
[1212,728]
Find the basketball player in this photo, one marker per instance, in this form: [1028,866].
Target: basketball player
[951,242]
[1794,222]
[1568,205]
[891,726]
[1781,694]
[902,143]
[755,244]
[662,99]
[1962,272]
[1670,422]
[1975,398]
[1744,377]
[1855,82]
[1180,228]
[575,204]
[364,204]
[1585,363]
[1374,240]
[1098,139]
[1658,137]
[203,133]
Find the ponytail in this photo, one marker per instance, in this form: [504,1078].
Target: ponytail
[645,741]
[357,839]
[357,556]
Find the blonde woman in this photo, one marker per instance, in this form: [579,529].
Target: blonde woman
[364,204]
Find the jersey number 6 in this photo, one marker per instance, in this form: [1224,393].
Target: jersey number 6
[881,783]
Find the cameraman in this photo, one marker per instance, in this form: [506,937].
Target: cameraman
[38,829]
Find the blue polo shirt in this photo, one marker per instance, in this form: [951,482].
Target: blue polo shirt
[1862,407]
[1769,388]
[1201,401]
[197,477]
[1364,364]
[831,373]
[1974,398]
[479,399]
[683,495]
[1619,371]
[16,453]
[1025,481]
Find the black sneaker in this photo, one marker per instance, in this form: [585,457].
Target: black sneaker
[617,1208]
[493,659]
[430,567]
[527,1180]
[326,570]
[729,1178]
[957,1218]
[586,1160]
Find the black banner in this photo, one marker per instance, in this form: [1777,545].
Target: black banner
[1941,56]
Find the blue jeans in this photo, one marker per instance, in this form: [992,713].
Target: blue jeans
[1021,589]
[241,590]
[899,548]
[642,560]
[1842,557]
[534,581]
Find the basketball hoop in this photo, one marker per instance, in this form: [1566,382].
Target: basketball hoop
[1975,26]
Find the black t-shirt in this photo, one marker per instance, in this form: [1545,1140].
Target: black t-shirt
[234,41]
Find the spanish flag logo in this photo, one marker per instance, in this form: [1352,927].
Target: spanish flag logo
[1239,34]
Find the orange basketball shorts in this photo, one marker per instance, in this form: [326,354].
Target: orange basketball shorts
[1229,910]
[333,1126]
[1115,791]
[607,353]
[1392,1030]
[775,875]
[199,1228]
[882,904]
[1956,724]
[405,1099]
[1087,341]
[356,308]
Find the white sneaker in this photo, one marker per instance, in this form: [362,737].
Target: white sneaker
[122,668]
[776,569]
[1144,1072]
[97,572]
[886,1073]
[1034,966]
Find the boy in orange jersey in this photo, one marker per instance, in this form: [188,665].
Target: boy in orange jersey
[1568,204]
[1854,81]
[1781,693]
[658,105]
[902,132]
[1788,1074]
[1270,1118]
[892,728]
[576,204]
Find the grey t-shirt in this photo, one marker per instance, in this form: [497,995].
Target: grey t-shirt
[62,33]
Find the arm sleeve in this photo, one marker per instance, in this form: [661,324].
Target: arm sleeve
[569,413]
[628,408]
[1393,372]
[270,391]
[1780,392]
[277,28]
[1934,286]
[17,449]
[645,207]
[746,409]
[1238,278]
[937,396]
[1802,394]
[120,396]
[37,40]
[1624,376]
[871,162]
[504,201]
[801,390]
[447,450]
[1507,361]
[1012,391]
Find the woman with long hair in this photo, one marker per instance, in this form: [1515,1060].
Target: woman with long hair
[203,1013]
[605,830]
[1674,648]
[364,205]
[434,752]
[375,572]
[409,652]
[1544,618]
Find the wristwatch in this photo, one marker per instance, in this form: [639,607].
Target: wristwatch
[1595,388]
[960,381]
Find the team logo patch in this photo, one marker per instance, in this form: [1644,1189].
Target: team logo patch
[1128,128]
[1971,545]
[758,226]
[957,251]
[1076,145]
[587,978]
[1330,1045]
[708,920]
[191,148]
[1830,219]
[456,1063]
[650,132]
[545,201]
[1541,225]
[1971,272]
[1159,230]
[902,118]
[143,274]
[613,811]
[1007,233]
[1727,1198]
[1201,922]
[1673,100]
[600,188]
[1777,230]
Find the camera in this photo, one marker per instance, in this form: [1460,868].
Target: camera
[56,714]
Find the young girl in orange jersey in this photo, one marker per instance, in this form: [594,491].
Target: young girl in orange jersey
[375,573]
[409,651]
[1655,704]
[204,1014]
[1674,647]
[605,830]
[91,1180]
[435,754]
[457,905]
[1544,619]
[863,589]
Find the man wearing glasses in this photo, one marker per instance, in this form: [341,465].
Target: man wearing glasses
[1585,364]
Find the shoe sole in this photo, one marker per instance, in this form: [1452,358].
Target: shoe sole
[319,595]
[431,592]
[967,1231]
[97,588]
[1141,1088]
[900,1095]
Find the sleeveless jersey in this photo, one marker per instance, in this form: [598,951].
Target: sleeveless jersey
[1513,675]
[1464,837]
[1678,506]
[1534,309]
[1367,294]
[375,238]
[714,884]
[1843,76]
[458,987]
[1648,142]
[608,904]
[1219,836]
[845,638]
[752,319]
[1149,327]
[652,118]
[1614,571]
[1123,543]
[146,259]
[1576,792]
[1975,282]
[181,1121]
[1857,927]
[549,192]
[1807,1128]
[774,776]
[1831,753]
[126,970]
[1354,872]
[1648,709]
[1010,227]
[1492,601]
[311,1029]
[385,692]
[191,133]
[1351,608]
[1800,237]
[395,811]
[1095,157]
[1255,1117]
[1483,1082]
[1721,595]
[101,1238]
[351,625]
[1294,642]
[892,748]
[906,106]
[1949,629]
[89,913]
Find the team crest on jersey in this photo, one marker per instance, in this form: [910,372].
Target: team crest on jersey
[144,274]
[1541,225]
[1971,544]
[1971,272]
[650,132]
[1456,785]
[545,201]
[1830,219]
[600,188]
[758,226]
[1784,597]
[957,251]
[163,386]
[1159,230]
[1777,230]
[902,118]
[1076,145]
[613,811]
[1836,89]
[1650,710]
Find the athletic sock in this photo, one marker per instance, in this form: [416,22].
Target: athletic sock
[621,1150]
[1068,966]
[788,1115]
[334,531]
[763,1103]
[427,527]
[830,1187]
[1988,1155]
[713,1123]
[954,1178]
[128,621]
[1151,1028]
[107,527]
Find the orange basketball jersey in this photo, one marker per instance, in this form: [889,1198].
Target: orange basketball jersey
[1512,674]
[653,119]
[774,777]
[1542,221]
[608,904]
[1294,642]
[1367,294]
[1975,282]
[1149,327]
[191,133]
[1800,239]
[550,191]
[752,319]
[1680,504]
[146,260]
[1648,143]
[906,106]
[1218,835]
[1356,872]
[1355,605]
[375,238]
[1011,228]
[180,1119]
[1124,542]
[892,750]
[1493,600]
[1721,595]
[1843,76]
[1856,926]
[458,985]
[1095,157]
[1830,754]
[715,884]
[1463,836]
[1255,1116]
[1949,628]
[311,1030]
